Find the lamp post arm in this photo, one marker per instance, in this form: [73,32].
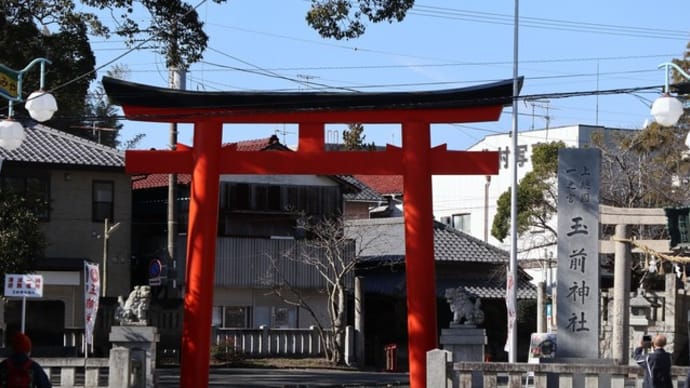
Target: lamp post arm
[20,75]
[20,78]
[667,69]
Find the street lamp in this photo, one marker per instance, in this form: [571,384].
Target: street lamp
[40,104]
[668,109]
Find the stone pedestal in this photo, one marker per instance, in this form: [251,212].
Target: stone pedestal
[466,342]
[141,342]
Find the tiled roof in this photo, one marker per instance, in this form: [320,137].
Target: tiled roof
[384,184]
[259,144]
[158,180]
[48,145]
[490,287]
[383,239]
[364,192]
[449,244]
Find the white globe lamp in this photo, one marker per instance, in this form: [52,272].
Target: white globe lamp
[41,105]
[11,134]
[667,110]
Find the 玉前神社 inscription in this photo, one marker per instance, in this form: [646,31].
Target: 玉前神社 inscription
[578,253]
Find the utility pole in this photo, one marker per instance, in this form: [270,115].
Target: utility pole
[177,81]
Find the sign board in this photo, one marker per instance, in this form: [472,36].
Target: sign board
[23,285]
[156,272]
[542,345]
[577,312]
[8,82]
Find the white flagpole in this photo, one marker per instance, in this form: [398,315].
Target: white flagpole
[513,336]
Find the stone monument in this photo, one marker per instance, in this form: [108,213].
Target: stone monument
[134,337]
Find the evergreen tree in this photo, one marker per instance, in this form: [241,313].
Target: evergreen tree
[21,239]
[353,138]
[100,120]
[537,195]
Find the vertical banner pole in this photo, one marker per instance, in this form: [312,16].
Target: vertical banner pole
[23,314]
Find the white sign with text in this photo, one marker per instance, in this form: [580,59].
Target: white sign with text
[23,285]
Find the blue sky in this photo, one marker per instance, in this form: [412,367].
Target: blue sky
[563,47]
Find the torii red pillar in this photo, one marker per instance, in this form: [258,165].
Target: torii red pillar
[416,161]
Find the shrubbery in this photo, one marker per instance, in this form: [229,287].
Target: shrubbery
[225,351]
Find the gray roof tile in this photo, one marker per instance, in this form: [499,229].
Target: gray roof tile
[365,193]
[48,145]
[383,240]
[449,244]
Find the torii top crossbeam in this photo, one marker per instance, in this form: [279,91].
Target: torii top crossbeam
[416,161]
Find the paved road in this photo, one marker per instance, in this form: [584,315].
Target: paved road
[288,378]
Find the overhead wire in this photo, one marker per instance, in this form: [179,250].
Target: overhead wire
[124,54]
[430,11]
[268,73]
[547,23]
[437,11]
[275,107]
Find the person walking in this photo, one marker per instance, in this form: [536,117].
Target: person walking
[655,361]
[19,370]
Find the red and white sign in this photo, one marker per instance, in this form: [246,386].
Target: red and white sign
[22,285]
[92,291]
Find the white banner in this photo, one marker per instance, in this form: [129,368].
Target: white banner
[28,286]
[92,291]
[510,309]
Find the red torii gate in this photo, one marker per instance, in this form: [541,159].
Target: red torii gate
[416,161]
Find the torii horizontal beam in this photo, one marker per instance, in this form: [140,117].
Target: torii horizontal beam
[388,162]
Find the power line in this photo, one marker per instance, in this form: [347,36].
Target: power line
[455,64]
[549,24]
[448,62]
[261,71]
[117,58]
[555,95]
[272,74]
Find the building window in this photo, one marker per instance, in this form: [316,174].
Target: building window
[462,222]
[231,317]
[102,201]
[277,317]
[284,317]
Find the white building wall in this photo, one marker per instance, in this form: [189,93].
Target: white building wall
[458,194]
